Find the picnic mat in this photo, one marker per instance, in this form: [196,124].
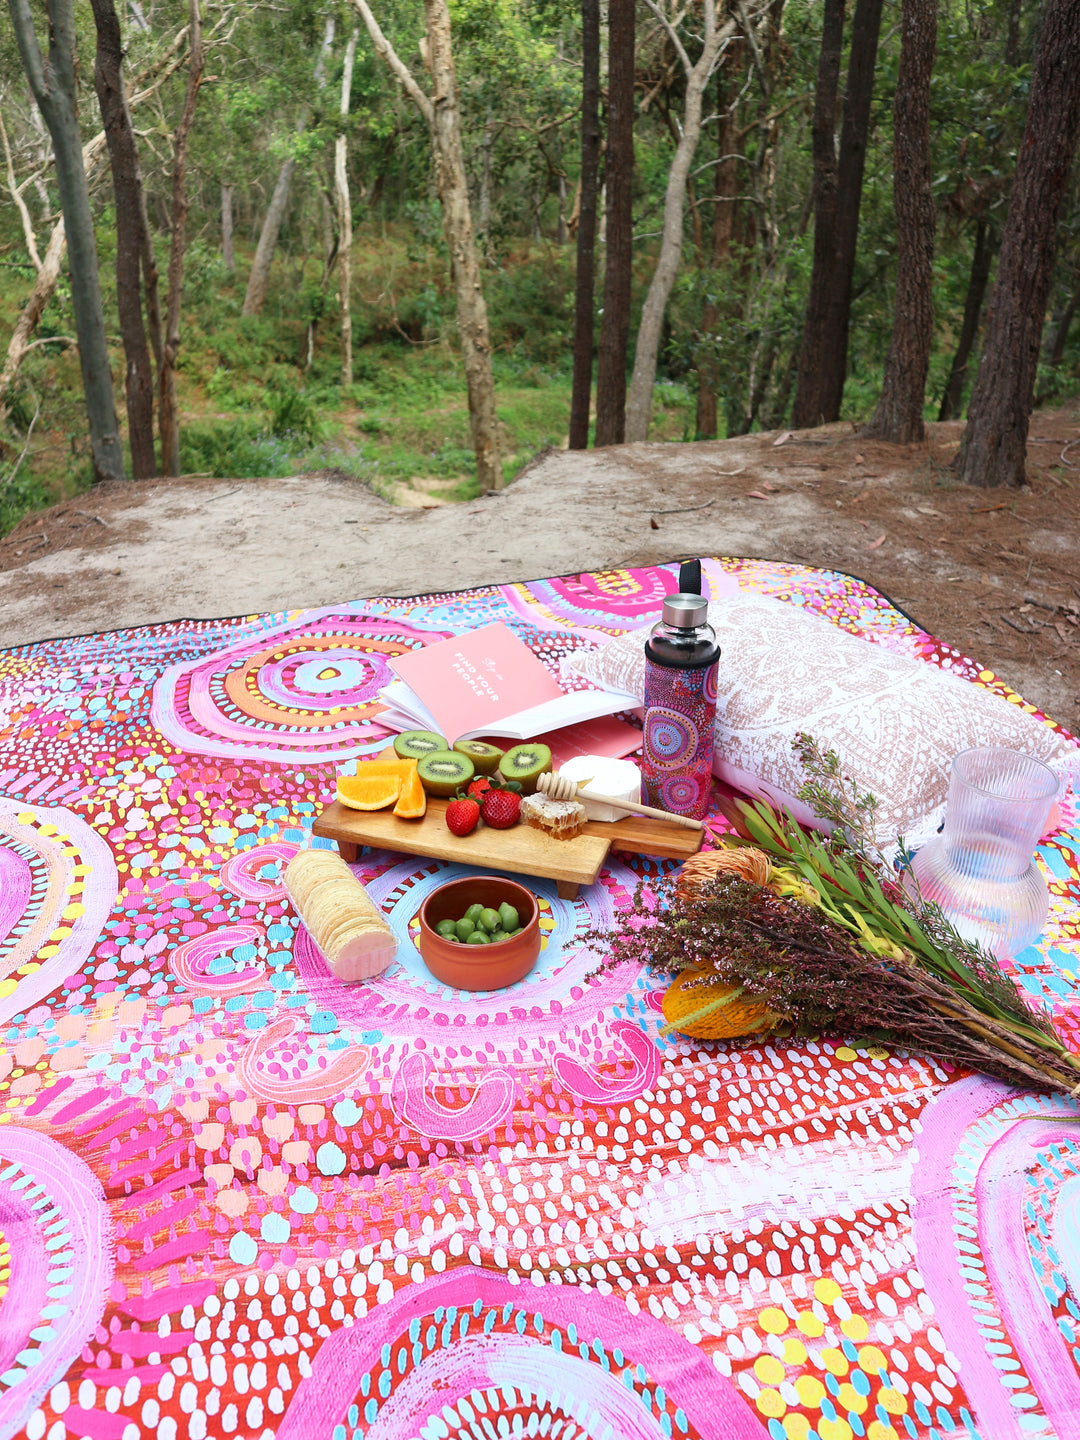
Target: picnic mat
[238,1198]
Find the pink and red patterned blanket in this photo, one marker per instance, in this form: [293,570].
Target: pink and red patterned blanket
[240,1199]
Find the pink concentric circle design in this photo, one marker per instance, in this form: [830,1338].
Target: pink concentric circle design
[670,738]
[306,689]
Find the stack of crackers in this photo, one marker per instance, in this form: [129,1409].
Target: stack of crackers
[339,915]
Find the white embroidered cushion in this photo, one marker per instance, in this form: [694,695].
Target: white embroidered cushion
[895,722]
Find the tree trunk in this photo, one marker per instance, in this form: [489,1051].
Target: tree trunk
[619,227]
[899,414]
[20,203]
[52,81]
[228,253]
[127,191]
[992,451]
[40,295]
[341,184]
[647,349]
[259,279]
[168,418]
[858,94]
[981,261]
[585,278]
[464,261]
[809,395]
[823,361]
[725,174]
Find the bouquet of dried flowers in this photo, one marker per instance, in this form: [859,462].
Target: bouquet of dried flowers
[787,932]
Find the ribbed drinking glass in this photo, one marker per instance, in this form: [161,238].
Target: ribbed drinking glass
[980,869]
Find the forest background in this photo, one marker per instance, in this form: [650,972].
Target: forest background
[264,320]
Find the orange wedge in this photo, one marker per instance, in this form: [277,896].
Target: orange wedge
[368,792]
[412,802]
[386,764]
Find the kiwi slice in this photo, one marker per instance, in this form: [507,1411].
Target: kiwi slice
[415,744]
[444,772]
[524,763]
[485,758]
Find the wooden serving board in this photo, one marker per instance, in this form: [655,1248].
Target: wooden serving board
[521,849]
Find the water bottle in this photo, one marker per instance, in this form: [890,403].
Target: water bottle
[681,656]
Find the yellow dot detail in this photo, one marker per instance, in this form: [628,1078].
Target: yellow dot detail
[8,987]
[794,1352]
[851,1400]
[834,1361]
[834,1430]
[810,1325]
[796,1426]
[876,1431]
[769,1370]
[855,1328]
[810,1390]
[770,1403]
[877,1053]
[873,1362]
[846,1053]
[892,1401]
[985,675]
[773,1321]
[826,1291]
[25,817]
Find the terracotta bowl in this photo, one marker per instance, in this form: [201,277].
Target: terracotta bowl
[479,967]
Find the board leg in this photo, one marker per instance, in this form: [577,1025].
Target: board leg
[349,851]
[567,889]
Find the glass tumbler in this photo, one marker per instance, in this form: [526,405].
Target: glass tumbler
[980,870]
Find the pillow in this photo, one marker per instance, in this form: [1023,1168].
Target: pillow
[895,722]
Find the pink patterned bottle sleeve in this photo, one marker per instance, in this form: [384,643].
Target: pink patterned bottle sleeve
[680,710]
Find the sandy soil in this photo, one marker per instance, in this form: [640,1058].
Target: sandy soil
[995,573]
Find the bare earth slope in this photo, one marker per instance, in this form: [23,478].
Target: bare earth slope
[997,574]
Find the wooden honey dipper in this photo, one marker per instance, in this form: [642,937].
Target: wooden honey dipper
[558,786]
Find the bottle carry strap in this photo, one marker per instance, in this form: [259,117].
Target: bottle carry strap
[690,577]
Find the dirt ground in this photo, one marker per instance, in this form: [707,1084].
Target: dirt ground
[995,573]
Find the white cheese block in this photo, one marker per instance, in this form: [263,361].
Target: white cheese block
[618,778]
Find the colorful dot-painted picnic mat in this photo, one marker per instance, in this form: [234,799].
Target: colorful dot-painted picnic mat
[238,1198]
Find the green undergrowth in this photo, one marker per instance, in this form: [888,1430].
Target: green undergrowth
[252,404]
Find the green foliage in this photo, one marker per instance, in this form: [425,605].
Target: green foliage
[262,408]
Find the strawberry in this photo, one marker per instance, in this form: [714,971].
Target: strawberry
[500,809]
[462,815]
[479,788]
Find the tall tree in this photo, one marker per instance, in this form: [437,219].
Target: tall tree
[168,418]
[993,449]
[52,81]
[809,402]
[127,192]
[982,258]
[899,414]
[618,227]
[724,203]
[823,360]
[228,252]
[647,349]
[258,284]
[585,277]
[344,206]
[440,112]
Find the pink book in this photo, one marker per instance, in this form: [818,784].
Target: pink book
[487,683]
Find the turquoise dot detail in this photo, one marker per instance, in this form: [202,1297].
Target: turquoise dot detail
[242,1249]
[275,1229]
[347,1112]
[303,1201]
[330,1159]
